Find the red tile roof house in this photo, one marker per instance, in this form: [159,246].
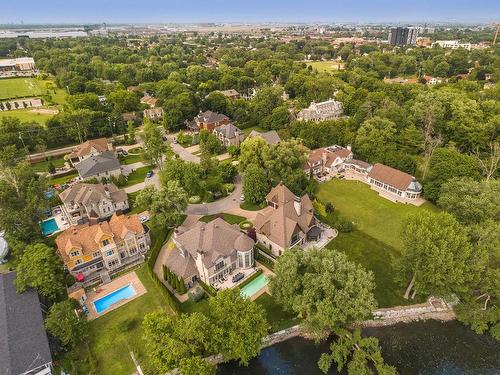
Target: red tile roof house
[207,120]
[394,184]
[327,161]
[287,221]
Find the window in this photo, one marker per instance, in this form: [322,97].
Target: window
[113,263]
[219,265]
[74,253]
[133,250]
[109,253]
[78,261]
[96,254]
[142,246]
[105,242]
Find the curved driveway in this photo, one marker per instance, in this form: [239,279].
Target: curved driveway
[231,202]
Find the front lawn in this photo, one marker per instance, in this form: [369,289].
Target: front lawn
[249,206]
[114,335]
[376,216]
[190,306]
[231,219]
[138,175]
[131,159]
[278,318]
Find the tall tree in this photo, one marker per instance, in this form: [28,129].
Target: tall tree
[376,137]
[361,354]
[154,147]
[255,184]
[63,323]
[166,205]
[437,257]
[252,151]
[237,339]
[41,269]
[324,288]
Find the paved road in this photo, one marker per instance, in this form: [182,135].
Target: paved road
[229,203]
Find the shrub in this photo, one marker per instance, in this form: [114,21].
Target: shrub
[70,279]
[329,208]
[194,199]
[246,224]
[344,225]
[229,187]
[197,294]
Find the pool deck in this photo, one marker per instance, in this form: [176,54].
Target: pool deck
[103,290]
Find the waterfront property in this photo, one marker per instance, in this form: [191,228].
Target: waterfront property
[83,202]
[287,221]
[211,252]
[89,250]
[24,347]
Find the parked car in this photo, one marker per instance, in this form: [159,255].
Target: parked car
[143,218]
[149,174]
[242,197]
[175,141]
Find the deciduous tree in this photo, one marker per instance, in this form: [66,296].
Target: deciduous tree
[63,323]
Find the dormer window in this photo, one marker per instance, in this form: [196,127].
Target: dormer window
[105,242]
[74,253]
[219,265]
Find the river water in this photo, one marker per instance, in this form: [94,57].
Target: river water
[424,348]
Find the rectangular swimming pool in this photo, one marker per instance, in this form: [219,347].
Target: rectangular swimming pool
[118,295]
[49,226]
[254,286]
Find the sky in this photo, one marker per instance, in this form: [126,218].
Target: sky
[248,11]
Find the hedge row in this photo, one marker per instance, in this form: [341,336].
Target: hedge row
[208,288]
[264,261]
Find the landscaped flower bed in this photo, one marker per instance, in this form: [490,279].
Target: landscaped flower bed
[246,224]
[194,199]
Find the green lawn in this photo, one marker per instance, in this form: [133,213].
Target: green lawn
[249,206]
[256,128]
[231,219]
[130,159]
[42,166]
[63,179]
[277,318]
[376,240]
[138,175]
[20,87]
[189,306]
[114,335]
[325,66]
[372,214]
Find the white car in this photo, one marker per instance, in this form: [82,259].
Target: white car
[242,198]
[143,218]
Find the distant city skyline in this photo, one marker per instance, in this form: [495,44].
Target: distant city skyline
[254,11]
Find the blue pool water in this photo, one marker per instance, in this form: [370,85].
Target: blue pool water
[105,302]
[49,226]
[254,286]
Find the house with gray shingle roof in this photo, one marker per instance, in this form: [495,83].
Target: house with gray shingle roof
[271,137]
[229,135]
[83,202]
[210,252]
[24,347]
[99,166]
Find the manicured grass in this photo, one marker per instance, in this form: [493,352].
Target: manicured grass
[231,219]
[25,115]
[130,159]
[278,318]
[136,150]
[42,166]
[114,335]
[138,175]
[20,87]
[134,209]
[325,66]
[63,179]
[249,206]
[190,307]
[377,257]
[376,216]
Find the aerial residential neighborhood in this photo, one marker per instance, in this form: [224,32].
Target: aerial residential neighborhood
[224,187]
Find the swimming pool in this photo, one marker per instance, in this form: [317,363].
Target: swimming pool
[49,226]
[254,286]
[118,295]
